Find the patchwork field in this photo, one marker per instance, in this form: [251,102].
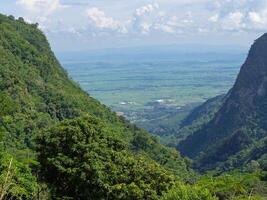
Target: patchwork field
[147,92]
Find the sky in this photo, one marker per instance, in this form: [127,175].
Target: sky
[95,24]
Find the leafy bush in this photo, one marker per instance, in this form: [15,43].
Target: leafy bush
[235,185]
[16,180]
[188,192]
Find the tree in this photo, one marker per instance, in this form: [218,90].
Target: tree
[82,159]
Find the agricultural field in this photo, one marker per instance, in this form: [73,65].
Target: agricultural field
[146,91]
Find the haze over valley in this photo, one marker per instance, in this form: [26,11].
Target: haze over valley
[133,100]
[149,86]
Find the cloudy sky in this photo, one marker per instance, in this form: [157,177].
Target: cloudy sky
[93,24]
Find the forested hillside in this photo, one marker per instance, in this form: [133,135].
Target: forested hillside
[56,142]
[40,103]
[197,118]
[236,136]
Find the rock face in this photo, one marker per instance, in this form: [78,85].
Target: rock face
[241,121]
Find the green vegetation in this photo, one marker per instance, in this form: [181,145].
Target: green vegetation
[188,192]
[16,179]
[234,186]
[83,153]
[235,136]
[38,99]
[56,142]
[134,86]
[196,119]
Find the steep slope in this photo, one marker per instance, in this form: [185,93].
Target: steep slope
[239,127]
[204,112]
[37,94]
[195,119]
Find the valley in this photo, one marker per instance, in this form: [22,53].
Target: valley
[64,135]
[156,92]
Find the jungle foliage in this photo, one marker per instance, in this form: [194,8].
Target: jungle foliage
[37,98]
[56,142]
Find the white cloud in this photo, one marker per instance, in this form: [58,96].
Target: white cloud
[152,19]
[44,7]
[255,17]
[99,19]
[244,15]
[145,27]
[167,24]
[143,18]
[147,9]
[214,18]
[233,21]
[40,11]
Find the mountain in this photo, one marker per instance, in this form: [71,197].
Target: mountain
[56,142]
[236,135]
[197,118]
[56,139]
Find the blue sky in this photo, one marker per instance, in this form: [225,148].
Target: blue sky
[94,24]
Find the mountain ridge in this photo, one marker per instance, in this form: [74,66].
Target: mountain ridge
[241,119]
[40,105]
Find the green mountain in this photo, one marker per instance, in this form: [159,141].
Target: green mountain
[236,136]
[198,117]
[56,142]
[55,134]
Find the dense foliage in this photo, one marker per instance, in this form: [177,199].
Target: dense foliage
[83,153]
[233,186]
[56,142]
[16,179]
[196,119]
[188,192]
[37,96]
